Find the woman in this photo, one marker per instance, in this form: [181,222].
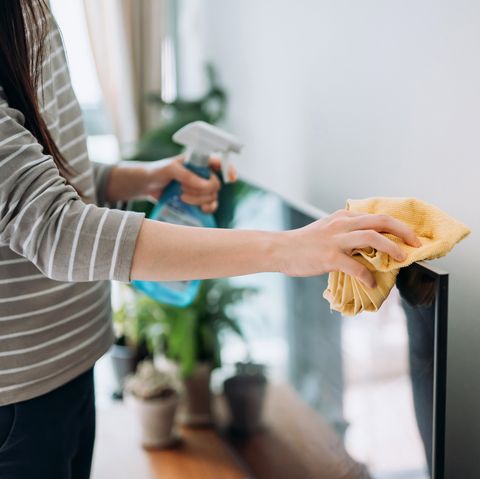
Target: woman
[60,244]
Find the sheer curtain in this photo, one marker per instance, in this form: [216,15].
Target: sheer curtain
[127,37]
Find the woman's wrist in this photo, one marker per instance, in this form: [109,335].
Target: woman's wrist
[274,250]
[127,181]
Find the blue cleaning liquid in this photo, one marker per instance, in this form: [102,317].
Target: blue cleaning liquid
[171,209]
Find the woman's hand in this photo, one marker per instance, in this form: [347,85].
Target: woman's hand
[133,180]
[327,245]
[195,190]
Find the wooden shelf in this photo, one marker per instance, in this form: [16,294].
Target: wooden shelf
[202,453]
[296,443]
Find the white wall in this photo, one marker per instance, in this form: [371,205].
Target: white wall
[348,98]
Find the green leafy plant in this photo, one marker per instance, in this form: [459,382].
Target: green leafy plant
[191,335]
[185,335]
[158,143]
[136,317]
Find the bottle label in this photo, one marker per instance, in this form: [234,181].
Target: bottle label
[173,212]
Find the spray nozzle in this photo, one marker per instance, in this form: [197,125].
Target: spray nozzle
[202,139]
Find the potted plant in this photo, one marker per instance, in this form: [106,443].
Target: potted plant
[131,323]
[245,396]
[191,337]
[155,396]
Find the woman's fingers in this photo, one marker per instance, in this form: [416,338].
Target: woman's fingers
[356,269]
[196,196]
[370,238]
[210,207]
[191,181]
[200,191]
[385,224]
[198,199]
[212,189]
[187,178]
[232,173]
[216,164]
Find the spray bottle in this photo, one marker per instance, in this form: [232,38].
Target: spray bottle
[200,140]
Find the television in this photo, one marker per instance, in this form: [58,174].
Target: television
[359,397]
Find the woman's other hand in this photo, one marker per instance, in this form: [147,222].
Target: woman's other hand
[195,190]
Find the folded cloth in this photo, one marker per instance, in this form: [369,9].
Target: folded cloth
[437,231]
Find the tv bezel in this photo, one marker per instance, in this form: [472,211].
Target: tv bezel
[439,367]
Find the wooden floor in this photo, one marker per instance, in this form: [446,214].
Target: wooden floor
[202,454]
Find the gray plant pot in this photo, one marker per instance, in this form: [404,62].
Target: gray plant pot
[245,395]
[124,362]
[196,407]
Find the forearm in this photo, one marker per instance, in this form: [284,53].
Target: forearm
[126,181]
[166,252]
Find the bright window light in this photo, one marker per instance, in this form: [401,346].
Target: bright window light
[71,18]
[102,144]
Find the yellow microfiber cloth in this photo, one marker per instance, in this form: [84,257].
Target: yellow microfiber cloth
[437,231]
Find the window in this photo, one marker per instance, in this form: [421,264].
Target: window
[102,144]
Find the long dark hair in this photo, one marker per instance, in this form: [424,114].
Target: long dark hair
[24,28]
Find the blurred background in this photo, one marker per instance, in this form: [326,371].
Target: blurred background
[333,100]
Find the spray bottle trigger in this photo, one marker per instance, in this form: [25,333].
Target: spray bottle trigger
[226,167]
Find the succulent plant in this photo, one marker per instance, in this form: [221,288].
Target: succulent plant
[150,383]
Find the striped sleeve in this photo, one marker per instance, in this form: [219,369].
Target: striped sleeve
[44,220]
[101,174]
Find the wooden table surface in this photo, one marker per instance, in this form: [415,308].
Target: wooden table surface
[202,454]
[295,443]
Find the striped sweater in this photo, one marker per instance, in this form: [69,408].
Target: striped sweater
[57,252]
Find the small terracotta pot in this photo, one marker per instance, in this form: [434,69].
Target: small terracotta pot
[156,420]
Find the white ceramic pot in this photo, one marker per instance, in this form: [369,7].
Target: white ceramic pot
[156,420]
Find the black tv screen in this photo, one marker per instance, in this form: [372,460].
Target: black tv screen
[377,381]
